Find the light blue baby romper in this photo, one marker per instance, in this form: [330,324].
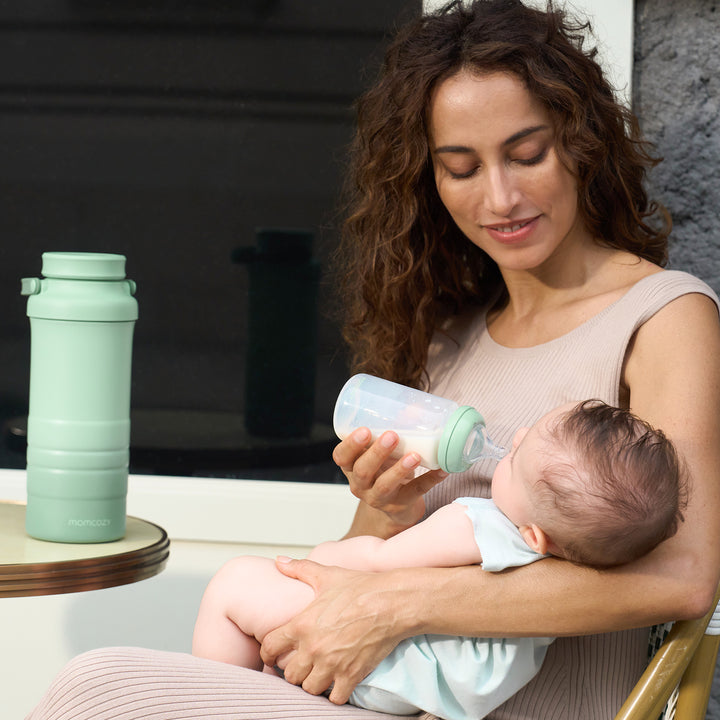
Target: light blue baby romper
[460,677]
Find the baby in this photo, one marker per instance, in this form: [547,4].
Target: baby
[589,483]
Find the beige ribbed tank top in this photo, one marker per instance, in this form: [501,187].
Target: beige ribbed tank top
[586,677]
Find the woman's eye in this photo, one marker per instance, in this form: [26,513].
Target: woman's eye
[534,160]
[461,175]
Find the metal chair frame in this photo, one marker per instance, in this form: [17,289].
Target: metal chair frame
[676,684]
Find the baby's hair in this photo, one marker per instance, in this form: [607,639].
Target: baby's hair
[620,492]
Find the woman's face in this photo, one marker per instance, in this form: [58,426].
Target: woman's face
[498,172]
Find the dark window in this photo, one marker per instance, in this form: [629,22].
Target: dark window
[171,132]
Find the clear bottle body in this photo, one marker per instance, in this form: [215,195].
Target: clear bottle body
[439,430]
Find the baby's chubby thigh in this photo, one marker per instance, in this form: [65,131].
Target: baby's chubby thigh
[257,596]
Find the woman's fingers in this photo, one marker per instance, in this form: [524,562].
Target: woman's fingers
[388,486]
[340,636]
[351,448]
[363,462]
[279,646]
[307,571]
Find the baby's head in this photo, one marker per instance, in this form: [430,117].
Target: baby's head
[593,484]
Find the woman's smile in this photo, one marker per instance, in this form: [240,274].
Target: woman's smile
[515,232]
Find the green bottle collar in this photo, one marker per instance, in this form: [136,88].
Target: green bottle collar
[451,450]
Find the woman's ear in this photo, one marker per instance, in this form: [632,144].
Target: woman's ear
[535,538]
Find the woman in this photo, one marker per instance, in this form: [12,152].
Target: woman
[503,253]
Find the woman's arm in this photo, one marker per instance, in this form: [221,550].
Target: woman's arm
[672,375]
[672,372]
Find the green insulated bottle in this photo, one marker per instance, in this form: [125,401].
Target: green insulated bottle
[82,315]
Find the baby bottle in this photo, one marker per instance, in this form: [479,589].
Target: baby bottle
[82,315]
[444,434]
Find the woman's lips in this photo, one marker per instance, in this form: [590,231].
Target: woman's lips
[511,233]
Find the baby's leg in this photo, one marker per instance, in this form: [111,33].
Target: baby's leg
[246,599]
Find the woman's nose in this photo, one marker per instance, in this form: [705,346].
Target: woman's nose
[500,194]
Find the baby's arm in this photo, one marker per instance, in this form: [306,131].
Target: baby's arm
[445,539]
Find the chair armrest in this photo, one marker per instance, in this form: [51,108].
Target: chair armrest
[665,671]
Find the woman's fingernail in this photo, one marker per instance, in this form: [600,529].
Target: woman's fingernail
[284,559]
[361,436]
[388,439]
[411,461]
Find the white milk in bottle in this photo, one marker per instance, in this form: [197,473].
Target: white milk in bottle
[443,433]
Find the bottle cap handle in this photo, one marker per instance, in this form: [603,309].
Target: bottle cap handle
[30,286]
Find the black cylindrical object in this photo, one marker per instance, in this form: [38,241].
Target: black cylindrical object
[282,333]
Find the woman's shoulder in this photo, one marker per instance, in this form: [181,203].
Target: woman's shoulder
[670,357]
[670,298]
[672,283]
[650,294]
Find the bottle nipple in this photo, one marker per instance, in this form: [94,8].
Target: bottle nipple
[465,441]
[479,446]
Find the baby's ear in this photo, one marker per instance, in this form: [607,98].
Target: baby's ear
[535,538]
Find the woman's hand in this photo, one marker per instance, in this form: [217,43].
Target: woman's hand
[385,486]
[340,637]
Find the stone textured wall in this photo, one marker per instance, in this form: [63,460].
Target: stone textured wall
[676,94]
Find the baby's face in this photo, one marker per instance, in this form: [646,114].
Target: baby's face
[517,473]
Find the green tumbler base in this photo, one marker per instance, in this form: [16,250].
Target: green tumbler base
[75,521]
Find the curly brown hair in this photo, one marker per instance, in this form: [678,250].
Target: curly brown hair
[405,266]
